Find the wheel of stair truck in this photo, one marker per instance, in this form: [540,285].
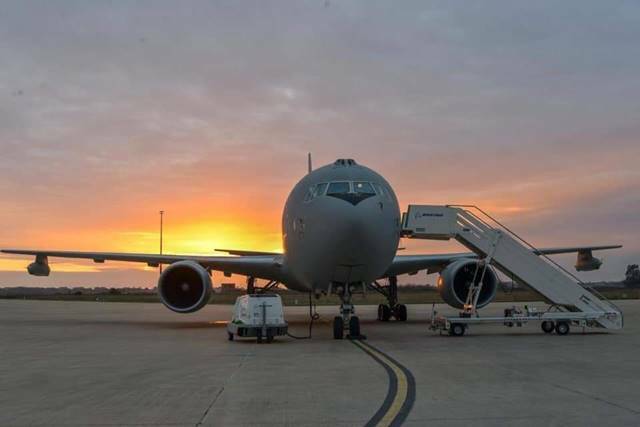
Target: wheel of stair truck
[229,336]
[562,328]
[384,313]
[401,312]
[338,328]
[456,329]
[548,326]
[354,327]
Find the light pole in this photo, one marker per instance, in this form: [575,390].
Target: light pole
[161,224]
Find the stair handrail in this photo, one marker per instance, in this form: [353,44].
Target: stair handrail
[536,251]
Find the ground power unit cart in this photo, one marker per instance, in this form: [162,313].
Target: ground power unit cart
[257,315]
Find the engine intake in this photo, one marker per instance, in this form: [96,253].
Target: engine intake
[455,280]
[184,287]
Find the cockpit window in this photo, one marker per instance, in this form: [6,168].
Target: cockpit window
[383,192]
[338,188]
[363,188]
[315,191]
[310,194]
[320,188]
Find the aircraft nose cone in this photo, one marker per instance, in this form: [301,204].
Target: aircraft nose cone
[359,238]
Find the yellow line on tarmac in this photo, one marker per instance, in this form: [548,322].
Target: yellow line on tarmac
[401,394]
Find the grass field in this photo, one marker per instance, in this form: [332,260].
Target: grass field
[406,296]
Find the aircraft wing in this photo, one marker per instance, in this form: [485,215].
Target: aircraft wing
[412,264]
[243,252]
[263,267]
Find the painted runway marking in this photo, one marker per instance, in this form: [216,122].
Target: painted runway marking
[401,393]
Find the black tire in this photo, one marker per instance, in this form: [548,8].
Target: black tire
[386,313]
[380,311]
[338,328]
[269,338]
[259,339]
[354,327]
[457,329]
[547,326]
[229,336]
[562,328]
[401,312]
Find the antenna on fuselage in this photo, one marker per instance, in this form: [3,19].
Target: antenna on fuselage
[310,166]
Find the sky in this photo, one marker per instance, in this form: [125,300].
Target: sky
[113,110]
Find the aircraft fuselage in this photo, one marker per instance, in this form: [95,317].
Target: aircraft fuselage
[340,225]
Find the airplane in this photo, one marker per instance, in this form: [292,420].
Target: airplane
[341,227]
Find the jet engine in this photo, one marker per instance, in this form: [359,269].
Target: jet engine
[40,267]
[456,278]
[184,287]
[587,262]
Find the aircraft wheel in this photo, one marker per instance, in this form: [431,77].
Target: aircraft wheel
[229,336]
[562,328]
[547,326]
[354,327]
[457,329]
[401,312]
[384,312]
[338,328]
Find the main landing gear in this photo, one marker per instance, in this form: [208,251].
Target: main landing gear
[253,289]
[392,308]
[347,319]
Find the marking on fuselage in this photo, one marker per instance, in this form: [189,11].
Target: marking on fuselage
[401,393]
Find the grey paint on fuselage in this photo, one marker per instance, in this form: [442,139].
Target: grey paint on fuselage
[331,240]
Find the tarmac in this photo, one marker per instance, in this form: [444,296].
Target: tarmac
[85,363]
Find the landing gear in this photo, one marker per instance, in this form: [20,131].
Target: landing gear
[354,327]
[547,326]
[401,312]
[384,313]
[338,328]
[253,289]
[347,317]
[392,309]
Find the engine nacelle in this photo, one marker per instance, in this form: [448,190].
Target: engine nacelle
[456,278]
[184,287]
[38,269]
[586,261]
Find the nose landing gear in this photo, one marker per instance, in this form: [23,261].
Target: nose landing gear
[347,319]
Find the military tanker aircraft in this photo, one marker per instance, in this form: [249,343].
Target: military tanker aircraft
[341,228]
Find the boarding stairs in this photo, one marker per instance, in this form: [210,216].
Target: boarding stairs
[500,247]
